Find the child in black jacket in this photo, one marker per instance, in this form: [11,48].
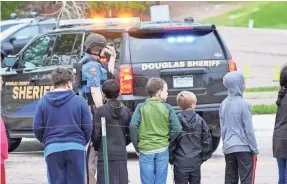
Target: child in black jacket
[194,144]
[118,119]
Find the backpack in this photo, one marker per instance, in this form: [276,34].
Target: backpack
[77,70]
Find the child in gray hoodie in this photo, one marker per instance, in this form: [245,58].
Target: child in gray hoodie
[239,143]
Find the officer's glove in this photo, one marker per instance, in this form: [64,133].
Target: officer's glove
[111,51]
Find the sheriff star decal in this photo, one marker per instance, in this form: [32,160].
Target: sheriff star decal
[93,71]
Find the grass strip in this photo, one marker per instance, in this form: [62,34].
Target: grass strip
[264,109]
[263,89]
[265,15]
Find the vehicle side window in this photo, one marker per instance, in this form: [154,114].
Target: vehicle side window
[38,54]
[76,52]
[67,49]
[27,32]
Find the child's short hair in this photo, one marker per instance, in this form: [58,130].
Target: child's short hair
[61,76]
[154,85]
[111,89]
[186,99]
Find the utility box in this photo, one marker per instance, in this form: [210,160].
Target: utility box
[159,13]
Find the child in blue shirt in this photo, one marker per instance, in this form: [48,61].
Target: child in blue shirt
[63,124]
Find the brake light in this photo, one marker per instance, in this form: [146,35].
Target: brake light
[232,66]
[178,27]
[126,79]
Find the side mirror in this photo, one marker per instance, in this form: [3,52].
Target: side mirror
[7,48]
[9,61]
[12,39]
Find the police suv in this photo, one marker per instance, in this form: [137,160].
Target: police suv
[187,55]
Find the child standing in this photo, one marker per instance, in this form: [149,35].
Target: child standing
[4,151]
[153,126]
[239,142]
[194,144]
[118,119]
[63,124]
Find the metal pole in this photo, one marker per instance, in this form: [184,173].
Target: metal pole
[105,151]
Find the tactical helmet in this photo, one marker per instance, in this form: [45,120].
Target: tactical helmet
[95,42]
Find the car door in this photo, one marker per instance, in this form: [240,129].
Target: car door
[22,87]
[23,36]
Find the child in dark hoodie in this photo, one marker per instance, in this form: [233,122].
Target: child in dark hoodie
[239,142]
[63,124]
[194,144]
[118,119]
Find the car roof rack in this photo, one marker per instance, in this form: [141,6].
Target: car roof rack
[98,21]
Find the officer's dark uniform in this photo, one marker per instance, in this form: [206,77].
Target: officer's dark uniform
[92,75]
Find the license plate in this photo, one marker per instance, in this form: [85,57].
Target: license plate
[183,81]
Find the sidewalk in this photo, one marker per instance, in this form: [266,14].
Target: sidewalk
[258,98]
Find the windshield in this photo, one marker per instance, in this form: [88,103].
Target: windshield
[10,31]
[175,47]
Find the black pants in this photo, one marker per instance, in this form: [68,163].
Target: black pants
[186,177]
[118,172]
[242,164]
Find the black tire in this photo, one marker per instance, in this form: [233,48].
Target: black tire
[215,142]
[13,144]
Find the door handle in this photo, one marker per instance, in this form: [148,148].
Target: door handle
[34,78]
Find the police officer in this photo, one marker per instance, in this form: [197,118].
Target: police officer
[93,74]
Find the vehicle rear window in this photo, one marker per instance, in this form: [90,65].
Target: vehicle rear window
[174,47]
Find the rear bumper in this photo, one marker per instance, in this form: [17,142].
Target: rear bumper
[209,112]
[202,108]
[128,99]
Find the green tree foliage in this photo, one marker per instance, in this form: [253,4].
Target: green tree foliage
[118,5]
[8,7]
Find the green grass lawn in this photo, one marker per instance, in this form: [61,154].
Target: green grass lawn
[264,109]
[263,89]
[264,14]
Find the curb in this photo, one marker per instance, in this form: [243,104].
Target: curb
[260,95]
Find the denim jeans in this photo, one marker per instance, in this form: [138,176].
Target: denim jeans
[154,167]
[282,167]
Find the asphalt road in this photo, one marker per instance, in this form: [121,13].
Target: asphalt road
[27,165]
[263,49]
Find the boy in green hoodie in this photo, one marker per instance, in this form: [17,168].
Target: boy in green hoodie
[153,126]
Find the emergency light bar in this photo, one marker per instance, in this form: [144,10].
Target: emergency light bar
[180,39]
[99,21]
